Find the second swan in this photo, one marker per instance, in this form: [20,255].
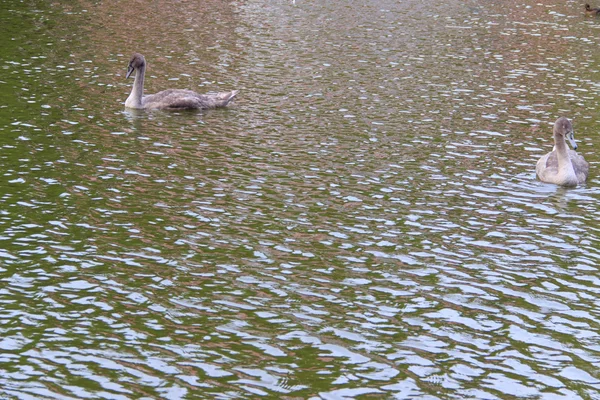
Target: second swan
[563,166]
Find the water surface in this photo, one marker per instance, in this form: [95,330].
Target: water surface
[364,222]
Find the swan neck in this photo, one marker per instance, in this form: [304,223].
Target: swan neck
[565,166]
[137,92]
[562,150]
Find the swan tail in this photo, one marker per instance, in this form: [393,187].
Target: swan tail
[226,97]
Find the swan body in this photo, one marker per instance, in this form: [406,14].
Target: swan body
[563,166]
[174,99]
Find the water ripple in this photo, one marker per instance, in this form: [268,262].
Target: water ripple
[364,222]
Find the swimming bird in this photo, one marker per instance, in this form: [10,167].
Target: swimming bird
[174,99]
[563,166]
[591,11]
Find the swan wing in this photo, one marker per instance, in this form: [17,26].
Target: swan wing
[580,166]
[187,99]
[547,166]
[215,100]
[181,103]
[152,100]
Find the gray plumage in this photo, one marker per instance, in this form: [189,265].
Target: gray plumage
[563,166]
[171,99]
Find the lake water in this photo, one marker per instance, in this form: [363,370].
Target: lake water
[363,222]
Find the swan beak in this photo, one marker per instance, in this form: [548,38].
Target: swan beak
[571,139]
[130,69]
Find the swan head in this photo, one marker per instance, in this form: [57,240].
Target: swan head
[137,61]
[563,128]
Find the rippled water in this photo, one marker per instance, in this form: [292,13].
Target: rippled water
[364,222]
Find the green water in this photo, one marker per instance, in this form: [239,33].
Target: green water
[363,222]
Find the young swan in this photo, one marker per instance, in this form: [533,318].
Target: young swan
[563,166]
[174,99]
